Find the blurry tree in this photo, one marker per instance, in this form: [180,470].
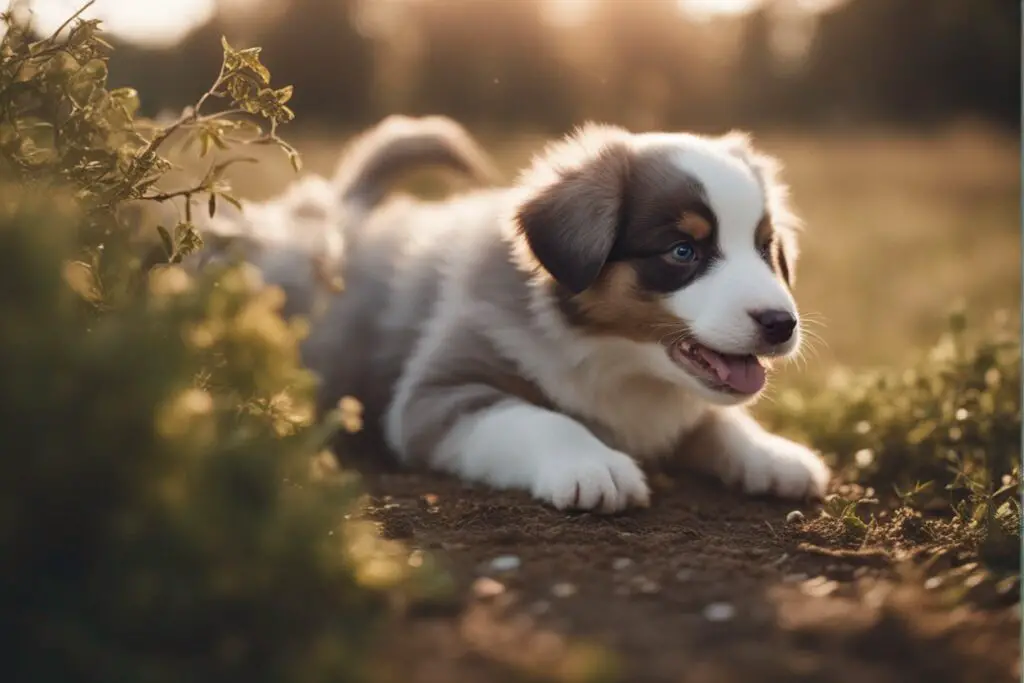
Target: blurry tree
[491,62]
[918,61]
[499,63]
[315,45]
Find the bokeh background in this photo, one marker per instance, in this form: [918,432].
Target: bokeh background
[898,121]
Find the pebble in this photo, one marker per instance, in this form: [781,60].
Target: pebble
[487,588]
[563,590]
[719,611]
[684,575]
[646,586]
[505,563]
[818,587]
[540,607]
[795,517]
[621,563]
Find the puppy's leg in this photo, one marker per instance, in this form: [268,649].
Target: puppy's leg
[734,447]
[502,441]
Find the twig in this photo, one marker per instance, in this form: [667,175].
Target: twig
[70,19]
[167,196]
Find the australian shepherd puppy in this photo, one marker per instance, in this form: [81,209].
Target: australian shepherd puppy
[622,301]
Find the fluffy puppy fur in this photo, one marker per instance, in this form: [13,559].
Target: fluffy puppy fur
[620,302]
[296,238]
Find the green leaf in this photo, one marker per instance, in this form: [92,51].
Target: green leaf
[165,238]
[234,201]
[284,94]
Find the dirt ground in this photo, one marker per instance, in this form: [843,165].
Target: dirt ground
[706,586]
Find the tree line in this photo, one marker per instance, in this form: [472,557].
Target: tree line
[643,63]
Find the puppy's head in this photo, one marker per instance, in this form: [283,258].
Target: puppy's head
[677,240]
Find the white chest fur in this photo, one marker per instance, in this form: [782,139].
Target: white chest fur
[616,389]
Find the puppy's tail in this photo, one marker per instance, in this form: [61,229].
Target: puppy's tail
[400,144]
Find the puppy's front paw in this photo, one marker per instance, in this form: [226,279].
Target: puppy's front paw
[773,465]
[600,480]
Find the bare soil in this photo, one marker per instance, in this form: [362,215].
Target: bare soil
[706,586]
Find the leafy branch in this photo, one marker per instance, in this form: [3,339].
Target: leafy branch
[61,126]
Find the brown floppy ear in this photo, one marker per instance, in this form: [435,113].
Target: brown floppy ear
[571,223]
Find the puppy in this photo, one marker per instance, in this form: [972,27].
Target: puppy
[622,301]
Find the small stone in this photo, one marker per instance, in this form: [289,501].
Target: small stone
[719,611]
[818,587]
[621,563]
[487,588]
[540,607]
[795,517]
[563,590]
[974,580]
[684,575]
[646,586]
[505,563]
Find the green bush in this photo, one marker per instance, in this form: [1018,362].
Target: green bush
[165,511]
[944,432]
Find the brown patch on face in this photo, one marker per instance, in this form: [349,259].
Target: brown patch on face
[764,234]
[772,246]
[616,305]
[695,225]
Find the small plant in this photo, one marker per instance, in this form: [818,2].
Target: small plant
[944,434]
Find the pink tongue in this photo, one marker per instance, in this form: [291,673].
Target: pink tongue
[742,373]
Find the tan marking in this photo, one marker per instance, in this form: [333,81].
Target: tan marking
[615,305]
[695,226]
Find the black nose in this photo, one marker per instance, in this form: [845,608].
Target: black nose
[776,326]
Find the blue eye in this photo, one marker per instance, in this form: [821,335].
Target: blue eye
[683,253]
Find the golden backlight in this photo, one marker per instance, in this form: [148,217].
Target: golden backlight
[167,21]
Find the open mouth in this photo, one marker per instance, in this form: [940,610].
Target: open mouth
[735,374]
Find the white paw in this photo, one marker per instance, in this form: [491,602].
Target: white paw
[599,480]
[774,465]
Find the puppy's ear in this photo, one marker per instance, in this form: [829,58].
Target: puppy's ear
[571,222]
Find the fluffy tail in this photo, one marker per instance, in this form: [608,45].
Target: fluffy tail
[399,144]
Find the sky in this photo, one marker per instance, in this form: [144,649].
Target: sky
[164,22]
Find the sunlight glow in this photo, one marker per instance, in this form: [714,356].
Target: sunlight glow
[709,8]
[161,23]
[155,22]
